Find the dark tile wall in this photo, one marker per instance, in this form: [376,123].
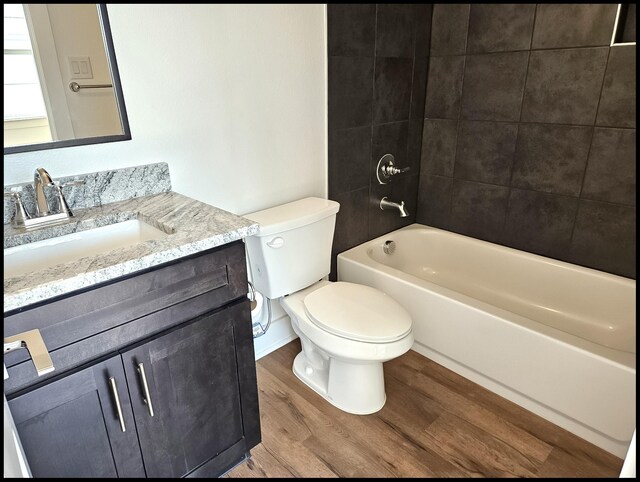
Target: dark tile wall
[378,65]
[529,134]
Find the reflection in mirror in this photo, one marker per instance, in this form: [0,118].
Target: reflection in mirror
[624,30]
[61,81]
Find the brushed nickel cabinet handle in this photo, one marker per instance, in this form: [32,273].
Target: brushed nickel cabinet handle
[145,388]
[114,389]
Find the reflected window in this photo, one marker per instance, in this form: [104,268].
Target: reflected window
[25,113]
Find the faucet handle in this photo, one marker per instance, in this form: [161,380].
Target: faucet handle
[15,195]
[386,169]
[21,214]
[394,170]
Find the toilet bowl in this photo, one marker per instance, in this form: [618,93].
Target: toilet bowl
[345,342]
[347,331]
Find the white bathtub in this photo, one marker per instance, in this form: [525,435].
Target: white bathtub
[553,337]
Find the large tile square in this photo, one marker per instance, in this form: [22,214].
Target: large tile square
[419,87]
[611,170]
[349,159]
[438,147]
[604,238]
[351,29]
[423,13]
[352,221]
[392,91]
[434,201]
[449,29]
[479,210]
[444,87]
[350,92]
[551,158]
[540,223]
[394,30]
[485,152]
[573,25]
[563,86]
[493,86]
[618,100]
[414,145]
[500,27]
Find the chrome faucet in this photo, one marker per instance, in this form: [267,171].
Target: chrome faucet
[385,204]
[41,178]
[43,215]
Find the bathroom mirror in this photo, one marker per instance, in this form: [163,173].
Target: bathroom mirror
[61,82]
[624,29]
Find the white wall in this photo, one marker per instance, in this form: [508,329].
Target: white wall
[232,97]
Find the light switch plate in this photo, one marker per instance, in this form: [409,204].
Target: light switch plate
[80,68]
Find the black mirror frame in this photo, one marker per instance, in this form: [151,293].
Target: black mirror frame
[117,90]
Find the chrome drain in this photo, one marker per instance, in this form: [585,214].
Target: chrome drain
[389,247]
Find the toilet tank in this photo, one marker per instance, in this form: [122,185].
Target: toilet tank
[293,247]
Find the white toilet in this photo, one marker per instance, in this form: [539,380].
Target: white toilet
[347,330]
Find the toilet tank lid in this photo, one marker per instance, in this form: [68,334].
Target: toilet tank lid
[293,215]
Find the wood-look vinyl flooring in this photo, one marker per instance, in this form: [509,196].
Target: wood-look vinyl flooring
[435,423]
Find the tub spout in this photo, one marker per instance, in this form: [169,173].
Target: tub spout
[386,204]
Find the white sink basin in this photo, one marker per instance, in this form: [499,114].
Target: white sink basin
[30,257]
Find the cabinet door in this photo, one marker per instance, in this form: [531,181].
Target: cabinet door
[71,427]
[187,404]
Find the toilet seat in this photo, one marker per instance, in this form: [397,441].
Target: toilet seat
[357,312]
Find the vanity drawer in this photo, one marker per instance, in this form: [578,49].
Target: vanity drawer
[192,285]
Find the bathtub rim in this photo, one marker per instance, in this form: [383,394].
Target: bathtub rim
[513,251]
[358,255]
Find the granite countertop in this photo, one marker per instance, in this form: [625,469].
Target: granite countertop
[191,225]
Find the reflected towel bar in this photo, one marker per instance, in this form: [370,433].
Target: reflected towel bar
[75,87]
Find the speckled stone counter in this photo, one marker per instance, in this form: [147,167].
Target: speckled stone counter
[99,188]
[192,226]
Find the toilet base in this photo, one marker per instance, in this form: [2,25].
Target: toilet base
[354,387]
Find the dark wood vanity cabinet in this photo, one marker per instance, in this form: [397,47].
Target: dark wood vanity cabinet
[191,409]
[70,428]
[180,402]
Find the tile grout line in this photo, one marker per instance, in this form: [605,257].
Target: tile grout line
[534,123]
[578,47]
[515,147]
[459,121]
[586,164]
[373,94]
